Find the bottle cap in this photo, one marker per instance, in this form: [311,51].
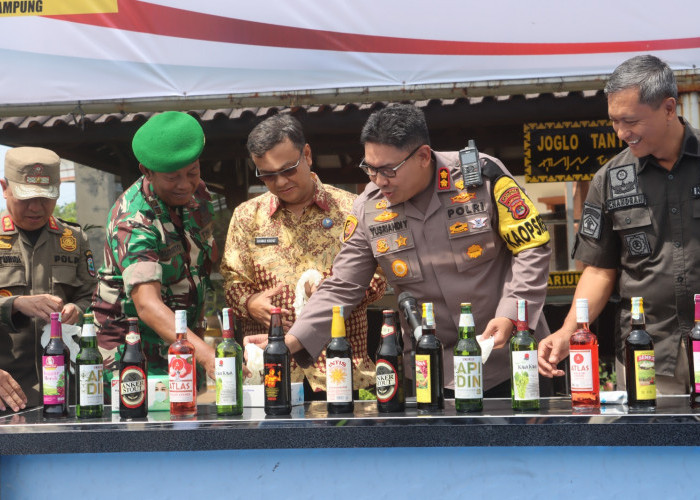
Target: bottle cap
[276,310]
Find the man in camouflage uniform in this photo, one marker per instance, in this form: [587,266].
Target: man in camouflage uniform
[160,247]
[46,266]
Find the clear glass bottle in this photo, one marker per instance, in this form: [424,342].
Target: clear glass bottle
[525,383]
[182,371]
[583,362]
[229,370]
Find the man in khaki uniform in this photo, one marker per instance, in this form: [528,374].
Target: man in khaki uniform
[46,267]
[441,241]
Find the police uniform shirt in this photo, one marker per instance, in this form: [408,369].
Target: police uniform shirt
[59,263]
[644,221]
[447,245]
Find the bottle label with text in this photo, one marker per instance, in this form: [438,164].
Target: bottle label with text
[226,393]
[468,377]
[273,381]
[54,377]
[339,380]
[132,387]
[581,366]
[645,375]
[526,384]
[181,368]
[91,387]
[423,394]
[387,381]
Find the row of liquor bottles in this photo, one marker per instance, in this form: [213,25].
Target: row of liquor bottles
[468,368]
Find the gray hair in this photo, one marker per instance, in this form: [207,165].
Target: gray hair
[270,132]
[402,126]
[653,77]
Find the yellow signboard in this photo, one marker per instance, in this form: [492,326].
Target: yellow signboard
[15,8]
[568,151]
[559,280]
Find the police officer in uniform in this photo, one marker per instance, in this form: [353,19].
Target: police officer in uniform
[438,239]
[640,227]
[46,267]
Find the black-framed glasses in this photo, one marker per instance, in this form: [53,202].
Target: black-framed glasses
[287,172]
[387,172]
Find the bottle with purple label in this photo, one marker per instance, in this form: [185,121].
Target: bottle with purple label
[693,346]
[55,372]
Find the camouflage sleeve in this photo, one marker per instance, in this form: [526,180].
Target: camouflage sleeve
[85,274]
[237,267]
[137,251]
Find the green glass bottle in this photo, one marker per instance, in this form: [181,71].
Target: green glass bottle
[88,377]
[525,383]
[229,370]
[469,389]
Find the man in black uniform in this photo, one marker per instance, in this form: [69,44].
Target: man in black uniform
[640,226]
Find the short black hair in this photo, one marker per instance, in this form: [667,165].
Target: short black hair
[270,132]
[402,126]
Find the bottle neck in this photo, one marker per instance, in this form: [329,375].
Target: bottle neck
[227,334]
[582,326]
[338,326]
[56,329]
[467,329]
[697,312]
[521,326]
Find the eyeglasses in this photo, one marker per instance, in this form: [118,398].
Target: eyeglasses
[387,172]
[287,172]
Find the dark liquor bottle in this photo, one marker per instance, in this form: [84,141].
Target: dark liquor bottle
[88,376]
[278,383]
[339,367]
[229,370]
[693,346]
[182,371]
[583,362]
[390,392]
[55,369]
[133,381]
[640,370]
[525,382]
[430,393]
[469,389]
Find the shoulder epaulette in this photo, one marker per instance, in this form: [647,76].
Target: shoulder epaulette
[69,223]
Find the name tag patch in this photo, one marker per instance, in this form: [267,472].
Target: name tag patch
[267,240]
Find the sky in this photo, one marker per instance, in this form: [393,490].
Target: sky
[67,188]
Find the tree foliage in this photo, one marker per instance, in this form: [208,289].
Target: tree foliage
[66,212]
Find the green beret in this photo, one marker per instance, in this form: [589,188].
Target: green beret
[168,142]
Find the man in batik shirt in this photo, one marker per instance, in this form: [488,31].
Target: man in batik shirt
[281,243]
[159,249]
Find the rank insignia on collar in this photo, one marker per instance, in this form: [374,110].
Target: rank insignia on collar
[399,268]
[386,215]
[475,251]
[349,227]
[4,245]
[444,181]
[382,245]
[68,241]
[463,197]
[7,224]
[53,224]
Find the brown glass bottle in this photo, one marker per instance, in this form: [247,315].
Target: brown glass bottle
[693,347]
[389,372]
[133,378]
[55,369]
[277,383]
[182,370]
[430,392]
[640,373]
